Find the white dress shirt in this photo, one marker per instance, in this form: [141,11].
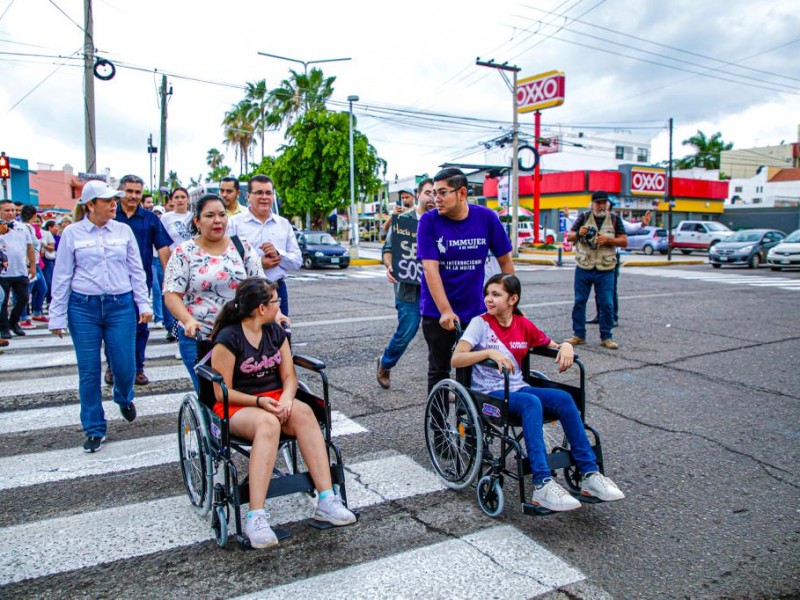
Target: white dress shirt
[96,261]
[15,244]
[276,230]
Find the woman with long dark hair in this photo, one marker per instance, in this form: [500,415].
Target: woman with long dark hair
[504,335]
[251,352]
[203,274]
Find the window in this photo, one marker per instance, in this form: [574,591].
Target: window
[642,155]
[737,189]
[620,153]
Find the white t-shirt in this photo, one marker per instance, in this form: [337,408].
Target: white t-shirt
[47,238]
[15,245]
[178,227]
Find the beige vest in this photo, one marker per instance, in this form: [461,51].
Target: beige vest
[602,258]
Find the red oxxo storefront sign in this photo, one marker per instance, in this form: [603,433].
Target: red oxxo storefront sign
[541,91]
[648,182]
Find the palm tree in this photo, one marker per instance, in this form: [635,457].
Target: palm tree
[173,180]
[707,153]
[214,158]
[258,96]
[299,94]
[239,131]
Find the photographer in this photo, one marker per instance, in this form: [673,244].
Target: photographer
[597,233]
[18,247]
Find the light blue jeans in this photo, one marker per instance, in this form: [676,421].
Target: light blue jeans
[188,348]
[408,319]
[94,320]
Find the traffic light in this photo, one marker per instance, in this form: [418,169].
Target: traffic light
[5,166]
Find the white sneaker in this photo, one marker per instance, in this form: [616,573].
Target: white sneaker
[178,353]
[332,510]
[256,527]
[157,325]
[601,487]
[554,497]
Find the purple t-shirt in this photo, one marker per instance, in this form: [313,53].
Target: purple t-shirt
[461,248]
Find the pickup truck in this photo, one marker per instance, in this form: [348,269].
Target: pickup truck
[697,235]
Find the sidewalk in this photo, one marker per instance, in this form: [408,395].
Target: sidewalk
[369,253]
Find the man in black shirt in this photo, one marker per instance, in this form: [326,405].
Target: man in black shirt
[597,233]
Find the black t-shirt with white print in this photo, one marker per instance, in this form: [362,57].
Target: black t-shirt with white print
[256,369]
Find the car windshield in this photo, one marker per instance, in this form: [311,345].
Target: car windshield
[745,236]
[713,226]
[321,239]
[661,233]
[793,237]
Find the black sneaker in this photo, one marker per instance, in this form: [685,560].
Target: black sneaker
[595,321]
[128,412]
[92,444]
[171,337]
[18,330]
[6,334]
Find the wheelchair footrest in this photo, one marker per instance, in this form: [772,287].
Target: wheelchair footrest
[324,525]
[587,499]
[281,534]
[534,510]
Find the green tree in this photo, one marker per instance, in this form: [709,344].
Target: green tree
[214,158]
[173,180]
[239,131]
[258,97]
[299,94]
[707,151]
[219,173]
[312,173]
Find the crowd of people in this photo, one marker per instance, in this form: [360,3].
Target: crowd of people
[214,276]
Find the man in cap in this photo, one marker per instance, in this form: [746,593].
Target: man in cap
[597,234]
[406,203]
[16,243]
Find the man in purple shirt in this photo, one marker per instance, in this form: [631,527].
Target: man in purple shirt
[453,242]
[150,234]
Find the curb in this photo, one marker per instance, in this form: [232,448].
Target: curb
[363,262]
[536,261]
[663,263]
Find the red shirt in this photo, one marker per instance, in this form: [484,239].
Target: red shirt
[518,337]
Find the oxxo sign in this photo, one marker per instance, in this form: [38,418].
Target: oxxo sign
[5,167]
[648,182]
[541,91]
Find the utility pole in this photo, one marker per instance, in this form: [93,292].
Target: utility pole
[163,158]
[670,199]
[514,183]
[90,139]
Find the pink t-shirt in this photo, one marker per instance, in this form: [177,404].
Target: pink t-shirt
[514,341]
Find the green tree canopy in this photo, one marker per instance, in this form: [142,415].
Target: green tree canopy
[299,94]
[707,151]
[312,173]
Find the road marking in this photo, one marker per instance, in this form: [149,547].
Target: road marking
[59,465]
[500,562]
[63,544]
[43,360]
[784,283]
[69,383]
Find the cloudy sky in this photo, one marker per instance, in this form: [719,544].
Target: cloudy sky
[715,65]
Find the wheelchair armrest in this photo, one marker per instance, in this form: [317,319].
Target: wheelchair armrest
[308,362]
[488,362]
[208,373]
[545,351]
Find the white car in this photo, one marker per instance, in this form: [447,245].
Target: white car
[525,234]
[786,254]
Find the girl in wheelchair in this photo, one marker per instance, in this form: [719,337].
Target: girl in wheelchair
[251,352]
[504,335]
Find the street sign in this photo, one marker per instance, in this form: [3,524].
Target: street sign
[648,181]
[5,167]
[92,176]
[541,91]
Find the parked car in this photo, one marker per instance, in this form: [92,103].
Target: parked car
[320,249]
[746,247]
[786,253]
[649,240]
[698,235]
[525,234]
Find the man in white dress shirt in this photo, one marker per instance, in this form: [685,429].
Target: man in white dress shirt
[270,234]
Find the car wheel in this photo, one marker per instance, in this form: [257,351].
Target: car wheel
[716,265]
[775,268]
[344,265]
[648,249]
[686,251]
[307,262]
[755,261]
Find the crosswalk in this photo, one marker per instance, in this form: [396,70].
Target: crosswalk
[83,532]
[376,272]
[759,281]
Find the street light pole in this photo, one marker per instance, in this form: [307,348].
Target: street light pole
[305,63]
[353,210]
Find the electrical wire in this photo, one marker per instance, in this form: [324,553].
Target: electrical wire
[71,20]
[53,72]
[6,10]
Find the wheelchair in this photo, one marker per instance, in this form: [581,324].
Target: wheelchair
[471,436]
[207,450]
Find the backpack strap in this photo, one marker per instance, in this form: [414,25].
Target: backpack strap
[239,246]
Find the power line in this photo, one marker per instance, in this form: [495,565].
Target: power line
[6,10]
[53,72]
[71,20]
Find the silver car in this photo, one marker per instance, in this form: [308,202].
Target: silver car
[786,254]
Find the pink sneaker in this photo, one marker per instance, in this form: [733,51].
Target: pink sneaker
[27,325]
[40,319]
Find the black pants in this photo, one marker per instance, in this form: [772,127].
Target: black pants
[440,349]
[19,285]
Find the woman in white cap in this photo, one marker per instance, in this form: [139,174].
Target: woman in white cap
[98,277]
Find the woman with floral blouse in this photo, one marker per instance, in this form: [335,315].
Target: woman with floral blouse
[203,274]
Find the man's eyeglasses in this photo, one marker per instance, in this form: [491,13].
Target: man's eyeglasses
[442,192]
[259,193]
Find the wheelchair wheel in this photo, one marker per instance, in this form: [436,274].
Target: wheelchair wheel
[490,495]
[195,456]
[219,523]
[572,477]
[453,434]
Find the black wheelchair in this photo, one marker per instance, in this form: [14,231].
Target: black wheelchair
[207,450]
[471,435]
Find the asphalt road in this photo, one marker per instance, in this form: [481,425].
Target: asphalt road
[698,412]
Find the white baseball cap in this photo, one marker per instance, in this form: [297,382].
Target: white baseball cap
[98,189]
[159,209]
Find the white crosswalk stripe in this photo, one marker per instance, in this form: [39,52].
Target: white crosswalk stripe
[754,280]
[495,562]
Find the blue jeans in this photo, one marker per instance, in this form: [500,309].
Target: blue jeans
[49,265]
[408,319]
[283,294]
[529,404]
[158,278]
[603,282]
[616,294]
[94,320]
[38,291]
[188,348]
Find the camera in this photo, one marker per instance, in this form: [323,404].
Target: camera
[591,237]
[9,223]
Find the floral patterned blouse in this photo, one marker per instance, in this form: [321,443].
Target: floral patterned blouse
[206,281]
